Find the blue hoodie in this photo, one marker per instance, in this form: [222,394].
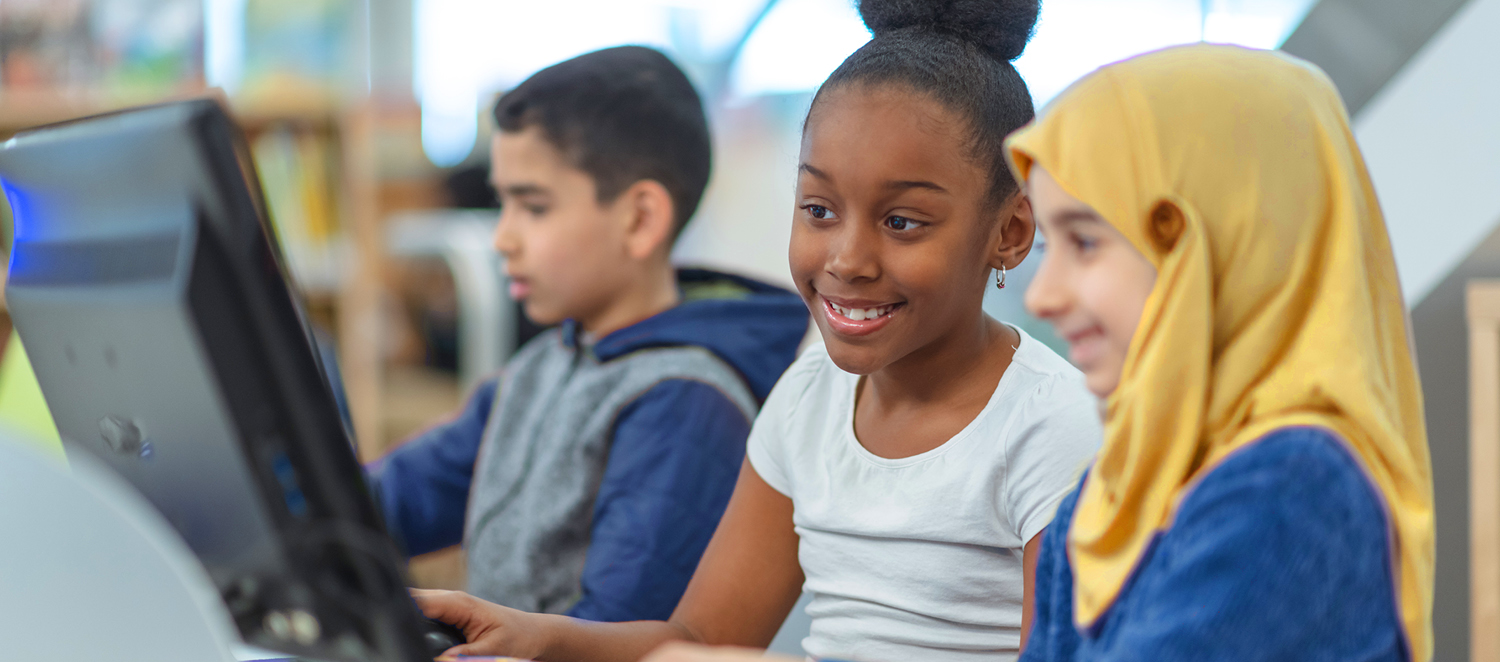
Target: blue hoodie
[591,483]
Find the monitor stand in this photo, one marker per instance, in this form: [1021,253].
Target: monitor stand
[90,571]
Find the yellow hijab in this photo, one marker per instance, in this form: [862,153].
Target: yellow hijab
[1277,305]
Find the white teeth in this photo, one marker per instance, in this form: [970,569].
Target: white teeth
[861,314]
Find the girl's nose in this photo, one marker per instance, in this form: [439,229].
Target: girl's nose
[1047,297]
[854,256]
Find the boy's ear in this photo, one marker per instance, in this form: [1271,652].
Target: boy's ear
[1017,232]
[650,217]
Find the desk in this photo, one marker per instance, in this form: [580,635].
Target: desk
[244,653]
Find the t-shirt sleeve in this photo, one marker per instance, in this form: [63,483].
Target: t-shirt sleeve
[1054,438]
[767,447]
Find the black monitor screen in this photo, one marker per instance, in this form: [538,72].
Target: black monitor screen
[151,298]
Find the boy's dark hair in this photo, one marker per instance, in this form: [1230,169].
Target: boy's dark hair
[959,52]
[621,115]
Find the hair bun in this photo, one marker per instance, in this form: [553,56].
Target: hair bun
[1000,27]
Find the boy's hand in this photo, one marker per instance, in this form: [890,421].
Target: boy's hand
[489,628]
[681,652]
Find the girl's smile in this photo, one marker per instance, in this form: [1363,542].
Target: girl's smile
[857,317]
[1086,346]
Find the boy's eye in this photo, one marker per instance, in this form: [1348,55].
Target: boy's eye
[536,210]
[1084,244]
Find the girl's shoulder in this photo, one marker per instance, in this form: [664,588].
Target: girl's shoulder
[1302,479]
[1306,462]
[1295,472]
[812,365]
[812,375]
[1034,356]
[1045,386]
[1286,480]
[1263,549]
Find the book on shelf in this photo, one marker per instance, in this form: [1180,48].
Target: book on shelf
[299,173]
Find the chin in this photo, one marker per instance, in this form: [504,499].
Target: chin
[854,359]
[541,315]
[1100,384]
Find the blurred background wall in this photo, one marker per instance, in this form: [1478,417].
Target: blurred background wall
[1420,80]
[360,112]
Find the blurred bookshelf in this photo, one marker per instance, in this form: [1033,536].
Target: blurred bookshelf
[321,191]
[333,159]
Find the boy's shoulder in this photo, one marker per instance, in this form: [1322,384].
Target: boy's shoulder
[753,327]
[548,342]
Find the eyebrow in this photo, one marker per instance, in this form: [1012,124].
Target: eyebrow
[522,190]
[903,185]
[803,167]
[1075,216]
[900,185]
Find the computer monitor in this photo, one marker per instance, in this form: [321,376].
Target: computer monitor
[152,299]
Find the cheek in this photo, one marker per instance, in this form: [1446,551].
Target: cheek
[948,275]
[927,277]
[1119,298]
[542,248]
[805,254]
[557,247]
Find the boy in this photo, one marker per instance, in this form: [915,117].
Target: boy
[596,468]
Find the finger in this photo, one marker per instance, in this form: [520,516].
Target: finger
[446,606]
[466,649]
[425,593]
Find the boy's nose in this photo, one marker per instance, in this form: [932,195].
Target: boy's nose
[503,239]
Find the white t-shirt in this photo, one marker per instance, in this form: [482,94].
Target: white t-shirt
[920,558]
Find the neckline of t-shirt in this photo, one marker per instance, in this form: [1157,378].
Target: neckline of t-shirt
[968,430]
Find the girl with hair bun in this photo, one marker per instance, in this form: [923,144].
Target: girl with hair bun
[902,471]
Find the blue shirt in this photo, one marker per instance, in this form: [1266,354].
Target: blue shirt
[1282,552]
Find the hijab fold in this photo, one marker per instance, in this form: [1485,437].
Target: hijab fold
[1276,305]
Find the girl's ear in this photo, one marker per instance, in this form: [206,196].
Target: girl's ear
[650,219]
[1017,231]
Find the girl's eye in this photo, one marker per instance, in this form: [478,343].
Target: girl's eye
[535,210]
[1084,244]
[901,224]
[818,211]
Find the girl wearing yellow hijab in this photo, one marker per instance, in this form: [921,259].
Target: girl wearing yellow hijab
[1216,258]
